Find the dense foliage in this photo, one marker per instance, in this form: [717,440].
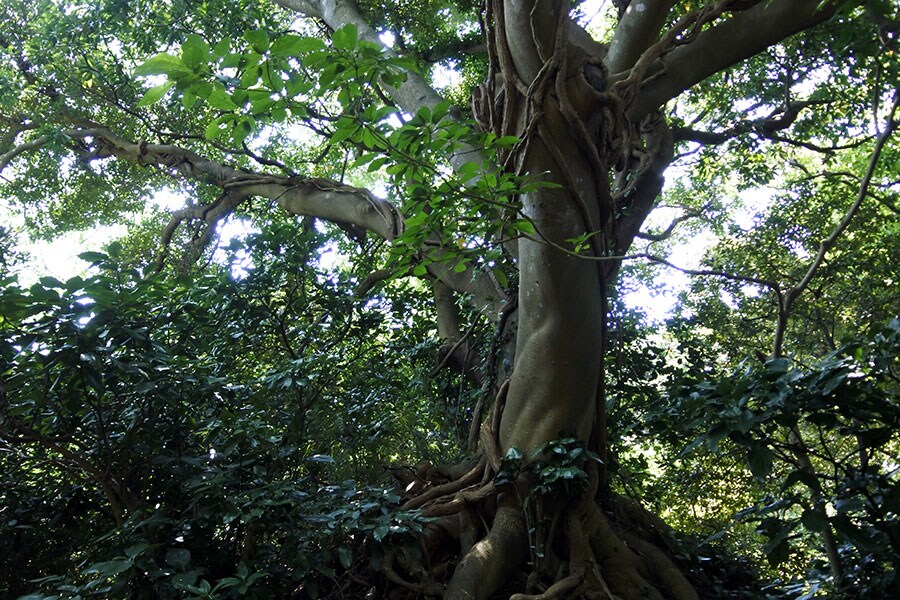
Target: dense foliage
[168,431]
[264,391]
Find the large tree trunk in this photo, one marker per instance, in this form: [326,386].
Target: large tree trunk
[553,390]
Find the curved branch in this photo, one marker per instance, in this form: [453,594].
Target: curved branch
[778,120]
[739,37]
[410,95]
[675,222]
[772,285]
[347,206]
[787,304]
[637,30]
[8,157]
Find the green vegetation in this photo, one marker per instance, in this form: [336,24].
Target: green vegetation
[386,343]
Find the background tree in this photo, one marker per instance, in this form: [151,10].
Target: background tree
[516,226]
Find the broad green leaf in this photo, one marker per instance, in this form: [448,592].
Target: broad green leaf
[346,37]
[760,459]
[424,113]
[345,555]
[93,257]
[136,550]
[468,170]
[179,558]
[156,93]
[295,45]
[163,64]
[220,99]
[213,129]
[222,48]
[258,40]
[380,531]
[195,51]
[188,99]
[51,282]
[109,568]
[524,226]
[814,520]
[507,141]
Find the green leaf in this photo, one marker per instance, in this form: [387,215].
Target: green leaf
[258,40]
[188,99]
[222,48]
[51,282]
[185,581]
[760,459]
[345,555]
[468,170]
[155,94]
[108,568]
[163,64]
[814,520]
[195,51]
[778,365]
[295,45]
[213,129]
[778,552]
[346,37]
[220,99]
[179,558]
[380,532]
[802,476]
[424,113]
[93,257]
[524,226]
[507,141]
[344,131]
[136,550]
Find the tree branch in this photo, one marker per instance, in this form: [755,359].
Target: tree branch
[342,204]
[410,95]
[8,157]
[737,38]
[636,204]
[786,305]
[667,232]
[779,119]
[709,272]
[637,30]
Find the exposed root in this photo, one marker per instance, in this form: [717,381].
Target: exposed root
[427,586]
[475,474]
[617,551]
[490,562]
[579,548]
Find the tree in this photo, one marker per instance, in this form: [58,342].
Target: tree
[524,220]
